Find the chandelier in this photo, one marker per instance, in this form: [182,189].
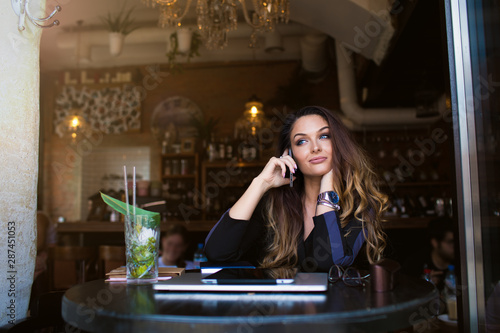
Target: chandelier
[215,18]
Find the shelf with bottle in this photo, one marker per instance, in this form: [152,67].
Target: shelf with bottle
[223,182]
[180,184]
[397,222]
[219,149]
[420,204]
[415,169]
[244,149]
[181,198]
[182,165]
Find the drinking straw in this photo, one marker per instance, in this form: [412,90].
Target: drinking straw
[126,189]
[133,187]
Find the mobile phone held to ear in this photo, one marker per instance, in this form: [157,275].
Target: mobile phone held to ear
[288,173]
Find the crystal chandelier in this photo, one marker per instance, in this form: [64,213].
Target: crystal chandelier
[215,18]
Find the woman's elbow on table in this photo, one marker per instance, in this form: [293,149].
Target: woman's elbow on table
[215,253]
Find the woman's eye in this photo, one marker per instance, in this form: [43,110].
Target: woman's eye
[299,142]
[324,136]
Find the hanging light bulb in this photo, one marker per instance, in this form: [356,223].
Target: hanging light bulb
[252,120]
[73,125]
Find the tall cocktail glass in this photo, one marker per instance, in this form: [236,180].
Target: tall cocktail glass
[142,239]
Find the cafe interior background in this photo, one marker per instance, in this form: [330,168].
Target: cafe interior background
[382,66]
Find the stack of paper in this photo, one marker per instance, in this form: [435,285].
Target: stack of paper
[164,273]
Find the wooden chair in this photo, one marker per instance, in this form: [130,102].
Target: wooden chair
[70,265]
[110,257]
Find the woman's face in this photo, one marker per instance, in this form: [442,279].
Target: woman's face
[173,247]
[312,145]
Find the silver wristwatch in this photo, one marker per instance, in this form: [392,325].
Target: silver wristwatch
[329,199]
[329,196]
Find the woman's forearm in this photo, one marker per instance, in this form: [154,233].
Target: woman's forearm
[245,206]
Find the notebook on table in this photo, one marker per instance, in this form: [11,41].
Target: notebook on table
[193,281]
[164,273]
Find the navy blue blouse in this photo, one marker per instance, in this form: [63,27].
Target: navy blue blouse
[246,240]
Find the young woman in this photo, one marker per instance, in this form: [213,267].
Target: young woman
[333,209]
[173,246]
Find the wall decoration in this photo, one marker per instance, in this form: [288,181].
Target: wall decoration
[173,118]
[110,110]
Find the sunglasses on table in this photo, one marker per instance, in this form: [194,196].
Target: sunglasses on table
[350,276]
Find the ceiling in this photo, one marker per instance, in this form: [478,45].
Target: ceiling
[415,63]
[397,48]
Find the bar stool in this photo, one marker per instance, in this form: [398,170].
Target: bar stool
[110,257]
[70,265]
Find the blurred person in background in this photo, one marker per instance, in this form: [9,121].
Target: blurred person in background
[174,243]
[438,254]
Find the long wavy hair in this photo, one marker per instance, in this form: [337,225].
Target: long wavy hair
[354,181]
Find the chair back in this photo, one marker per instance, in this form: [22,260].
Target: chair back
[110,257]
[70,265]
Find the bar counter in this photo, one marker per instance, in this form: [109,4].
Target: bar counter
[106,226]
[206,225]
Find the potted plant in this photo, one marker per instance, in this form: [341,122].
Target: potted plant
[119,26]
[183,42]
[205,128]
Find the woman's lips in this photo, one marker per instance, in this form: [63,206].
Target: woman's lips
[317,160]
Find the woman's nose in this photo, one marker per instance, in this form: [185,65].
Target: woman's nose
[316,147]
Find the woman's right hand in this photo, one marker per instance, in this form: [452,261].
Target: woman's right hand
[273,174]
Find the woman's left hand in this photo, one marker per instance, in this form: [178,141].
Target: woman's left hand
[327,182]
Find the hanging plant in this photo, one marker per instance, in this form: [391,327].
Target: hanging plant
[174,50]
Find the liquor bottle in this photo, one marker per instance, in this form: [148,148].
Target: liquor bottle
[229,148]
[164,146]
[168,168]
[222,149]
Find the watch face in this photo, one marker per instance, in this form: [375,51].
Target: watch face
[330,196]
[335,197]
[174,116]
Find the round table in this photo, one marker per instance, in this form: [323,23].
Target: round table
[99,306]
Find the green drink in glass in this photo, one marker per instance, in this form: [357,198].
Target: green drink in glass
[142,239]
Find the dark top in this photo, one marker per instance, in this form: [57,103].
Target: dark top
[246,240]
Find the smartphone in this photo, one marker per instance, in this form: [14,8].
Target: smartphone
[288,172]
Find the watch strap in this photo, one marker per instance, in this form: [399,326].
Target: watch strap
[329,199]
